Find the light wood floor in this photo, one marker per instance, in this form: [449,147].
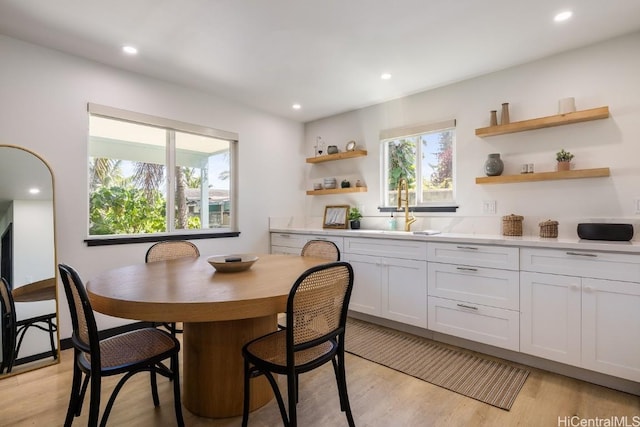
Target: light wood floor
[379,397]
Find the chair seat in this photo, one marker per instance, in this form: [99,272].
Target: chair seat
[139,346]
[272,349]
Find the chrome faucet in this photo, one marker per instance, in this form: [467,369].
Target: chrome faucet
[403,185]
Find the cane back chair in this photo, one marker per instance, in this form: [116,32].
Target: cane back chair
[315,333]
[321,249]
[318,249]
[14,331]
[168,250]
[130,353]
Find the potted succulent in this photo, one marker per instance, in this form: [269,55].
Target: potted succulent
[354,218]
[564,160]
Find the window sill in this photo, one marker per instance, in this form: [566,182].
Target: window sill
[125,240]
[419,209]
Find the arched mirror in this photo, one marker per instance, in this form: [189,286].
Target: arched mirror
[29,337]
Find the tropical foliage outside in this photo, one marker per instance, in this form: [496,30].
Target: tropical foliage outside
[136,204]
[435,166]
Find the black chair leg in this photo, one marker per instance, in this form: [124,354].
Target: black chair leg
[247,392]
[52,330]
[74,397]
[177,402]
[342,389]
[154,388]
[94,401]
[292,391]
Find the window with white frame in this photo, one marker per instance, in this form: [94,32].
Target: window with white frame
[424,157]
[155,176]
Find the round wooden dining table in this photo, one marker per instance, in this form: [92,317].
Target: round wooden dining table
[220,313]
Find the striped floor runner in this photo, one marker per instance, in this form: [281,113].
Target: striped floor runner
[463,372]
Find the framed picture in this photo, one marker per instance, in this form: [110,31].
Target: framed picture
[335,216]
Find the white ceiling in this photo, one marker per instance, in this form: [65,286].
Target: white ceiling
[324,54]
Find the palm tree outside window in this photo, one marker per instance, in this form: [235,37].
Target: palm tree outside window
[151,179]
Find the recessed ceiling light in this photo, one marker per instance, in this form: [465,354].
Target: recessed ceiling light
[385,76]
[296,106]
[563,16]
[129,50]
[34,190]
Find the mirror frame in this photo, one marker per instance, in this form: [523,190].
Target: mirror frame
[38,364]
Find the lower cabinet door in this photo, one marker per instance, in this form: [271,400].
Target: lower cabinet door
[404,291]
[611,327]
[366,293]
[550,316]
[488,325]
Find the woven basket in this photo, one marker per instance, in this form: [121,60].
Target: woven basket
[512,225]
[549,228]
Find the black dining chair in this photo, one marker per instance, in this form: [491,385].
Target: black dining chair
[142,350]
[321,249]
[314,335]
[318,249]
[14,331]
[168,250]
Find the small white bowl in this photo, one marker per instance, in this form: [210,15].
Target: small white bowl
[232,263]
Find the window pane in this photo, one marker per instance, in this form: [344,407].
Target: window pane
[401,163]
[127,190]
[203,182]
[152,175]
[425,160]
[436,167]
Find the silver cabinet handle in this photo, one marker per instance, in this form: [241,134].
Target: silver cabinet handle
[582,254]
[285,235]
[466,269]
[467,306]
[467,247]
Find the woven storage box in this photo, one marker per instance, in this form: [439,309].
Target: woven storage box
[512,225]
[549,228]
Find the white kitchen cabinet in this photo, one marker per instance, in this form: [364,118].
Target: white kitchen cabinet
[611,327]
[390,279]
[582,319]
[599,265]
[476,322]
[473,293]
[292,243]
[367,284]
[489,256]
[550,324]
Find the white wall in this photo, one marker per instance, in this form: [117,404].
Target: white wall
[43,108]
[599,75]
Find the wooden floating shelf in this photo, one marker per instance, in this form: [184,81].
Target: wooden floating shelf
[544,176]
[545,122]
[337,156]
[337,191]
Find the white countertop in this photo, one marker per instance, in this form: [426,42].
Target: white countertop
[480,239]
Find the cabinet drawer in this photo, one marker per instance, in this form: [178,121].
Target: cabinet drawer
[297,241]
[488,325]
[474,255]
[599,265]
[478,285]
[284,250]
[406,249]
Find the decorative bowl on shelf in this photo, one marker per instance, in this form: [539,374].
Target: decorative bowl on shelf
[330,183]
[232,263]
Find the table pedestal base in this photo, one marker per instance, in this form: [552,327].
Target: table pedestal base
[213,366]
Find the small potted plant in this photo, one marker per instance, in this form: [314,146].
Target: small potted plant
[564,160]
[354,218]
